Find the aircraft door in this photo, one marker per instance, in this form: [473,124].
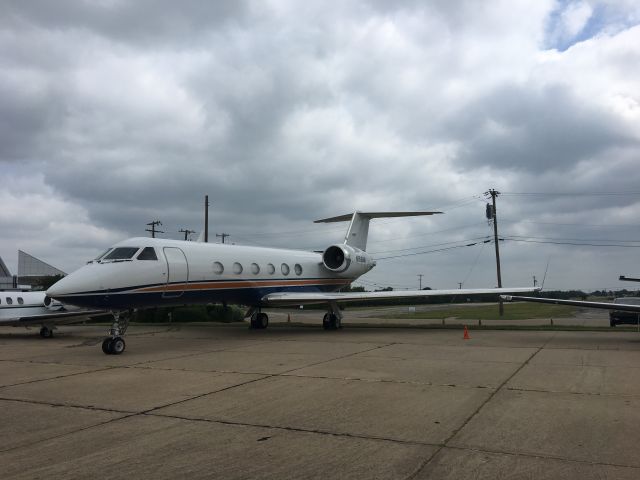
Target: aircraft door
[178,272]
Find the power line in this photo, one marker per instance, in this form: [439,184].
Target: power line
[572,243]
[483,237]
[572,194]
[429,251]
[612,225]
[570,239]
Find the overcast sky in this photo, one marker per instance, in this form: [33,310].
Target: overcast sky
[115,113]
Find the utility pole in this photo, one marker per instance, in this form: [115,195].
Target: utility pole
[494,193]
[206,218]
[459,285]
[153,228]
[420,277]
[223,235]
[535,282]
[186,232]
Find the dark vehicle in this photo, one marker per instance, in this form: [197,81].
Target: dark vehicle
[617,317]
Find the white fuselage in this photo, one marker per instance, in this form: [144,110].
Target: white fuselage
[181,272]
[14,304]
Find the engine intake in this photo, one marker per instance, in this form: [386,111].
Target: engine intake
[336,259]
[347,261]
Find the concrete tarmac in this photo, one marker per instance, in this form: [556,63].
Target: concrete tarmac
[223,401]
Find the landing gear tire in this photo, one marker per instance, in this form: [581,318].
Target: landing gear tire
[113,346]
[330,321]
[106,346]
[117,346]
[259,321]
[46,332]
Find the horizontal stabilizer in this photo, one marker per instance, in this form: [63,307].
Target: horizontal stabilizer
[347,217]
[359,227]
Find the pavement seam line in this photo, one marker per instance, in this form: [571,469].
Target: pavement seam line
[295,429]
[264,377]
[540,456]
[466,422]
[57,377]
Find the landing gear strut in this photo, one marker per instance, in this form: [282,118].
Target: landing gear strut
[114,344]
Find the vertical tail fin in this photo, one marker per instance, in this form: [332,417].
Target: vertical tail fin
[359,227]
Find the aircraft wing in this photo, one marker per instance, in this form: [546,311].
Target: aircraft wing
[56,318]
[575,303]
[295,298]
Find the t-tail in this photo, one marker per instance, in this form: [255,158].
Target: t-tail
[359,227]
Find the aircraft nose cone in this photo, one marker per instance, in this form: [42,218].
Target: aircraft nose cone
[69,285]
[57,289]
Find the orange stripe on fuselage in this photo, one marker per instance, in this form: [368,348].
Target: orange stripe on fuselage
[240,284]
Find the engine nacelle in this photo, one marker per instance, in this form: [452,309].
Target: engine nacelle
[347,261]
[52,304]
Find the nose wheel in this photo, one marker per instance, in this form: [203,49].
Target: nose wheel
[114,344]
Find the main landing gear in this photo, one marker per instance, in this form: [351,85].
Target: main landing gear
[114,344]
[259,320]
[46,332]
[331,321]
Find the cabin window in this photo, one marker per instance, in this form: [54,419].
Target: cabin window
[9,301]
[298,269]
[237,268]
[147,254]
[122,253]
[271,269]
[285,269]
[218,268]
[20,301]
[255,268]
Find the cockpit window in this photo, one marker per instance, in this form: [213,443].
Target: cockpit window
[102,255]
[121,253]
[147,254]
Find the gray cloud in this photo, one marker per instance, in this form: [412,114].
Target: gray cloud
[118,113]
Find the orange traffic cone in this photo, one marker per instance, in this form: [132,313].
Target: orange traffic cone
[466,333]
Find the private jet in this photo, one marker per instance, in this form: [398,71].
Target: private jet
[26,309]
[142,273]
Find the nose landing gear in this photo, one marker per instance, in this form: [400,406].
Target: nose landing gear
[114,344]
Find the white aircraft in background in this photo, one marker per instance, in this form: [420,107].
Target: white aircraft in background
[27,309]
[151,272]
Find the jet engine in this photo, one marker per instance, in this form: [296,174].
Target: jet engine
[347,261]
[52,304]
